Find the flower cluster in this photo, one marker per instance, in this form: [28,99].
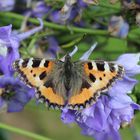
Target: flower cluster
[118,27]
[14,94]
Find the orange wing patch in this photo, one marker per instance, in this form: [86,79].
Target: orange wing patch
[80,100]
[53,99]
[100,75]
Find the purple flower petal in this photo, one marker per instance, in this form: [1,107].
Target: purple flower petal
[119,101]
[67,116]
[20,96]
[40,9]
[131,66]
[82,3]
[12,42]
[123,86]
[7,5]
[25,35]
[14,106]
[53,47]
[5,32]
[118,27]
[123,30]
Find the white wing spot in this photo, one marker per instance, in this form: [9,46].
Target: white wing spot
[106,66]
[94,65]
[42,63]
[116,67]
[29,65]
[20,62]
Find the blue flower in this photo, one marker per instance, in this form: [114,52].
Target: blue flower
[137,2]
[14,94]
[118,27]
[132,2]
[53,47]
[9,45]
[71,11]
[7,5]
[40,9]
[65,15]
[8,49]
[104,119]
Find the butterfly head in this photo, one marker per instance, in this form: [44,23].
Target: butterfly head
[67,58]
[68,63]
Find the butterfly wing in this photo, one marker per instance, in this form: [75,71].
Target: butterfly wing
[88,80]
[99,76]
[37,73]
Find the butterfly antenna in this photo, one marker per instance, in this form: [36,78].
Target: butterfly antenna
[86,55]
[70,54]
[74,51]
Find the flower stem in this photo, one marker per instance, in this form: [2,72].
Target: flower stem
[22,132]
[14,17]
[109,6]
[74,42]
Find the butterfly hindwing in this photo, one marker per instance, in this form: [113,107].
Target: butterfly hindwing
[52,99]
[99,76]
[37,73]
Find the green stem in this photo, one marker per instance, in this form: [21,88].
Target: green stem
[72,43]
[31,45]
[22,132]
[109,6]
[16,17]
[105,13]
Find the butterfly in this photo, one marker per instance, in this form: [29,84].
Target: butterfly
[64,83]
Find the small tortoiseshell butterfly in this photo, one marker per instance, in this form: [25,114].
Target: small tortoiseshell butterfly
[62,83]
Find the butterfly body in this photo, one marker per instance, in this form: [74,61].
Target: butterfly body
[67,83]
[68,72]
